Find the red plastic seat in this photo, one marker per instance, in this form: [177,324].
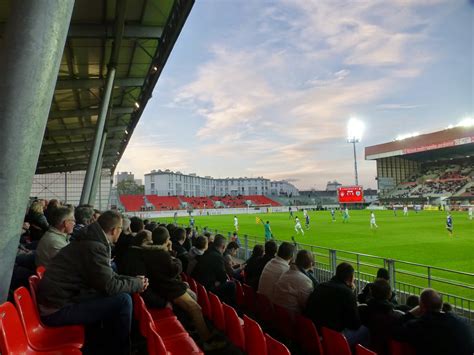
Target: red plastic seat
[166,327]
[255,343]
[192,284]
[239,294]
[360,350]
[284,320]
[40,270]
[173,346]
[156,313]
[307,336]
[400,348]
[40,337]
[250,299]
[33,281]
[274,347]
[233,327]
[217,312]
[334,343]
[13,338]
[203,301]
[265,313]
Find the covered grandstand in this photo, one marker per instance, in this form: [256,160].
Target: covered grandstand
[434,168]
[77,77]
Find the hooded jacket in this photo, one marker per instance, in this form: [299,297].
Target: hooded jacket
[81,271]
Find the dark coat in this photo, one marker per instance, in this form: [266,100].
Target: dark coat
[132,263]
[38,224]
[163,272]
[81,271]
[256,271]
[379,317]
[332,304]
[436,334]
[366,295]
[251,271]
[210,269]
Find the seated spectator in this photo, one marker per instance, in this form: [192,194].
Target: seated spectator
[274,269]
[270,252]
[84,216]
[123,243]
[136,225]
[150,226]
[97,214]
[380,316]
[232,267]
[52,204]
[188,242]
[37,220]
[57,237]
[178,239]
[199,248]
[80,287]
[294,286]
[366,294]
[163,271]
[210,271]
[412,302]
[132,263]
[433,332]
[333,304]
[252,263]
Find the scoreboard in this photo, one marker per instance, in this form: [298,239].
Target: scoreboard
[350,194]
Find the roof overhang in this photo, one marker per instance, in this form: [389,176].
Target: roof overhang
[148,33]
[453,140]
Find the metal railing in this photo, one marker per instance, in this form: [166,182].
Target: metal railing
[406,278]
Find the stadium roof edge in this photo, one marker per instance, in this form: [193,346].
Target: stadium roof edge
[448,138]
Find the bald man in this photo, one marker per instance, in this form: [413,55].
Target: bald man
[432,332]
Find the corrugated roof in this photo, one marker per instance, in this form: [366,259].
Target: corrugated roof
[150,30]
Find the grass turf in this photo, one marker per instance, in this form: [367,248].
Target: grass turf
[418,238]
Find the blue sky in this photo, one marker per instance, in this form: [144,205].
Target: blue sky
[265,88]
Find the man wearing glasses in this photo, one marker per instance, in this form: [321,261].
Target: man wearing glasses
[61,225]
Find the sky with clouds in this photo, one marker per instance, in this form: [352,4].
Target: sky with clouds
[265,88]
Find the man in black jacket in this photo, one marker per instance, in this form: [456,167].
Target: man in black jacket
[333,305]
[80,287]
[210,271]
[433,332]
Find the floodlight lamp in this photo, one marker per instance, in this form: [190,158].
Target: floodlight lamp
[355,129]
[137,105]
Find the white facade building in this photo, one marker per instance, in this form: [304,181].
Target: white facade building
[169,183]
[122,176]
[283,188]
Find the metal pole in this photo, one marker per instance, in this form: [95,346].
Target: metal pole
[97,170]
[93,158]
[355,162]
[30,55]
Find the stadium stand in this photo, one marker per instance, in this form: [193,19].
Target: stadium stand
[261,200]
[132,203]
[197,202]
[164,202]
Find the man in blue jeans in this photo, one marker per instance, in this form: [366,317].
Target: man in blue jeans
[80,287]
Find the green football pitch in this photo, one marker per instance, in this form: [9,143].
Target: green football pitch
[418,238]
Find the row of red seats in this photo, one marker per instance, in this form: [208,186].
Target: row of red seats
[300,329]
[164,332]
[246,334]
[22,332]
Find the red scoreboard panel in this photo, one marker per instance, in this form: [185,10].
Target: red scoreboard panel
[350,194]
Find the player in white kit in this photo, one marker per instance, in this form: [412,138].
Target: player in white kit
[405,211]
[236,224]
[469,212]
[373,224]
[298,227]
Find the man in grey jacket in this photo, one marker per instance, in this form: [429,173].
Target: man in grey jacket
[80,287]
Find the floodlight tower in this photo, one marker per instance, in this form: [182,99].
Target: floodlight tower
[355,128]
